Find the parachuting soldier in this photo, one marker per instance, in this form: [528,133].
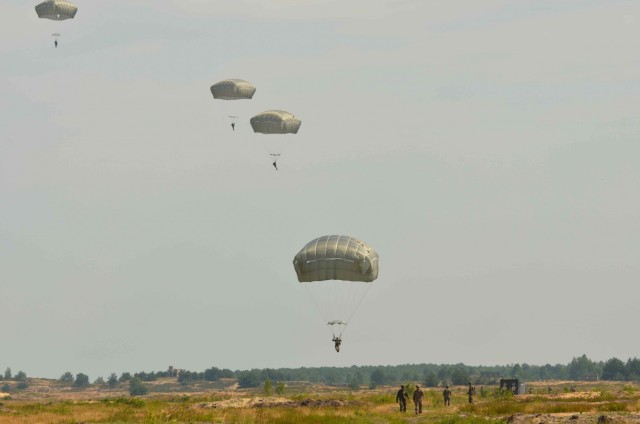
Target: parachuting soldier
[446,393]
[336,340]
[401,398]
[418,394]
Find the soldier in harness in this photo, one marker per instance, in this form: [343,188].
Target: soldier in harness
[335,339]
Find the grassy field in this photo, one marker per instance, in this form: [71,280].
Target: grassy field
[52,402]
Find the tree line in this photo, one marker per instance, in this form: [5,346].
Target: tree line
[430,375]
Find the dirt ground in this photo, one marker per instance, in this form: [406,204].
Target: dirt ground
[572,419]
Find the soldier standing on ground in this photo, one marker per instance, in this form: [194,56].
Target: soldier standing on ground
[446,393]
[417,399]
[401,398]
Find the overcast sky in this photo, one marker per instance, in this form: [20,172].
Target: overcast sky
[488,150]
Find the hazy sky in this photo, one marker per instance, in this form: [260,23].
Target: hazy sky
[488,150]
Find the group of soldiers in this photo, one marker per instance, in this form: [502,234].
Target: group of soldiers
[402,397]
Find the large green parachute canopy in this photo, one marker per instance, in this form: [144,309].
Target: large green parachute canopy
[57,10]
[336,257]
[351,262]
[275,122]
[233,89]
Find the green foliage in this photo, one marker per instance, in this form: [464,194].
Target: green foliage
[137,387]
[20,376]
[125,376]
[82,380]
[267,389]
[5,388]
[614,369]
[377,378]
[22,384]
[583,368]
[67,377]
[248,379]
[355,381]
[431,379]
[7,374]
[501,394]
[280,388]
[459,376]
[212,374]
[136,403]
[186,377]
[99,381]
[112,380]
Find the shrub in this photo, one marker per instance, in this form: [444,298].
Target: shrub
[137,387]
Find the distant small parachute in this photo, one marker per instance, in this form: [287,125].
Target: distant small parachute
[232,89]
[350,262]
[57,10]
[277,122]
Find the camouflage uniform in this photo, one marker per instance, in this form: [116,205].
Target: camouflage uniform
[417,399]
[446,393]
[401,398]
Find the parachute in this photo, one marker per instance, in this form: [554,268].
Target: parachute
[56,10]
[277,122]
[232,89]
[337,271]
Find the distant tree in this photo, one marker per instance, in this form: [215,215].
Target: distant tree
[355,381]
[82,380]
[5,388]
[444,374]
[125,376]
[633,369]
[99,381]
[516,371]
[280,388]
[212,374]
[7,374]
[267,389]
[22,384]
[431,380]
[112,380]
[185,377]
[614,369]
[227,373]
[459,376]
[20,376]
[137,387]
[377,378]
[247,379]
[67,377]
[582,368]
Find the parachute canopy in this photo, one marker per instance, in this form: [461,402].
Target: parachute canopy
[275,122]
[336,257]
[57,10]
[233,89]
